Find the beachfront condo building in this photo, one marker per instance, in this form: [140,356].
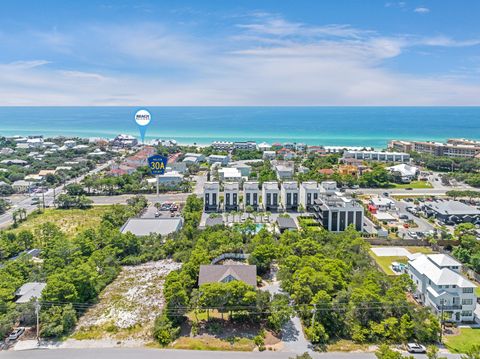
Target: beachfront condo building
[377,156]
[452,148]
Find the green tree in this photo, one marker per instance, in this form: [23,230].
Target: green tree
[57,321]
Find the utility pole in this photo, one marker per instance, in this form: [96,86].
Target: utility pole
[314,313]
[441,319]
[37,312]
[43,198]
[158,179]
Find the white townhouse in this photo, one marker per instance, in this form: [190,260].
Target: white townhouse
[440,285]
[270,196]
[211,194]
[404,172]
[269,155]
[308,193]
[289,195]
[230,194]
[251,194]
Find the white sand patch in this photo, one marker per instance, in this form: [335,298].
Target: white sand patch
[133,299]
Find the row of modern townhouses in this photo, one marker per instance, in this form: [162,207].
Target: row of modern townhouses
[440,286]
[330,207]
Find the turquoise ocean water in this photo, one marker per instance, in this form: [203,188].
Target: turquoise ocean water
[362,126]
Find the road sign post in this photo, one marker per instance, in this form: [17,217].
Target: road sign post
[157,164]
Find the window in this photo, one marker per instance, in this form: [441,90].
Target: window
[467,301]
[466,313]
[467,290]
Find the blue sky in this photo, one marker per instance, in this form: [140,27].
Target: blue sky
[357,52]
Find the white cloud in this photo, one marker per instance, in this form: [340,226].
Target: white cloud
[269,61]
[422,10]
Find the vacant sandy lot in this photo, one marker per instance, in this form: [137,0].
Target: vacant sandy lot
[127,307]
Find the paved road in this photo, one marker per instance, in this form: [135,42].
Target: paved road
[121,353]
[25,201]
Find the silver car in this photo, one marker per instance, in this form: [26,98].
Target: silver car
[416,348]
[16,334]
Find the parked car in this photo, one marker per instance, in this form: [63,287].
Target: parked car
[157,214]
[409,189]
[416,348]
[403,216]
[412,234]
[17,333]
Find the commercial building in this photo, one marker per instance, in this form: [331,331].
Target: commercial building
[145,226]
[251,194]
[335,211]
[377,156]
[171,178]
[309,192]
[270,196]
[452,212]
[289,195]
[230,193]
[440,286]
[452,148]
[211,194]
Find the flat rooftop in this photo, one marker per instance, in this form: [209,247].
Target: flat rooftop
[146,226]
[453,208]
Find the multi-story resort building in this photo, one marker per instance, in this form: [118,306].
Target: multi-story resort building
[377,156]
[335,211]
[452,148]
[440,286]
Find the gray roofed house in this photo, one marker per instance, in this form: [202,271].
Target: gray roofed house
[228,273]
[146,226]
[286,223]
[29,291]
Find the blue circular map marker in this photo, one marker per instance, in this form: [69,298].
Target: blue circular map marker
[143,118]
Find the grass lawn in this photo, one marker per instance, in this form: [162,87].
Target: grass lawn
[211,343]
[385,262]
[70,221]
[464,341]
[413,184]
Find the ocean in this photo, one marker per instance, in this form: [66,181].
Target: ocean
[344,126]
